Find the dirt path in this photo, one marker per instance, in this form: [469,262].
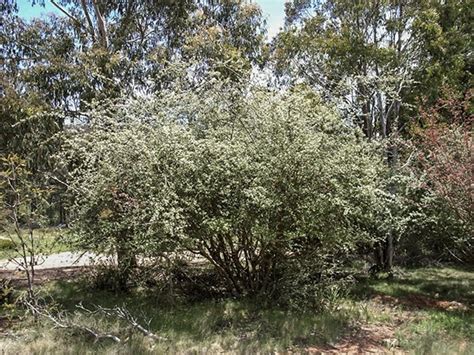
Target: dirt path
[59,260]
[60,266]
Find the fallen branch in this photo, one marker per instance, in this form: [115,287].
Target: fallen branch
[124,314]
[60,322]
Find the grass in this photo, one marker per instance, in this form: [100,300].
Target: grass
[47,241]
[448,283]
[413,307]
[434,307]
[226,325]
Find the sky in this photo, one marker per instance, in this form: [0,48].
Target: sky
[273,11]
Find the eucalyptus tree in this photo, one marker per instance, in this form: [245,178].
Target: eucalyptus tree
[358,53]
[444,32]
[377,58]
[124,47]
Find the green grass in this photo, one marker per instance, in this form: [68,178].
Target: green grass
[245,326]
[47,241]
[214,326]
[422,298]
[447,283]
[433,332]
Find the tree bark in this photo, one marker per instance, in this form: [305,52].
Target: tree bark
[126,259]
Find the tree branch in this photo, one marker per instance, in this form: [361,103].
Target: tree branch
[101,24]
[124,314]
[60,322]
[63,10]
[88,18]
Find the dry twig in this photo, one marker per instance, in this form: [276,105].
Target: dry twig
[124,314]
[61,322]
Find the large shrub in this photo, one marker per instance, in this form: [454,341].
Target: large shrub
[255,185]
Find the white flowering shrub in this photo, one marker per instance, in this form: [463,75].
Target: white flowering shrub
[252,185]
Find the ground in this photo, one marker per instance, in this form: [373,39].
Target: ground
[425,310]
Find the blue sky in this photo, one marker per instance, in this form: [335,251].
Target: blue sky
[273,11]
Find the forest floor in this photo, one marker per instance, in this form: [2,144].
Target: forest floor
[424,310]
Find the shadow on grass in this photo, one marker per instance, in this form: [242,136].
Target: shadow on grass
[448,284]
[235,324]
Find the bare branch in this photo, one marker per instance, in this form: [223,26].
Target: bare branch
[124,314]
[63,10]
[60,322]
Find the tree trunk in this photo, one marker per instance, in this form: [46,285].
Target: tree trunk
[126,259]
[389,253]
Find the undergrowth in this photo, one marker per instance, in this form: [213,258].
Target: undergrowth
[407,304]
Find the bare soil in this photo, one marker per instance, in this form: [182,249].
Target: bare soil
[366,339]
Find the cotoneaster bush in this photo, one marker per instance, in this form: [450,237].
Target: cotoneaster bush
[256,186]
